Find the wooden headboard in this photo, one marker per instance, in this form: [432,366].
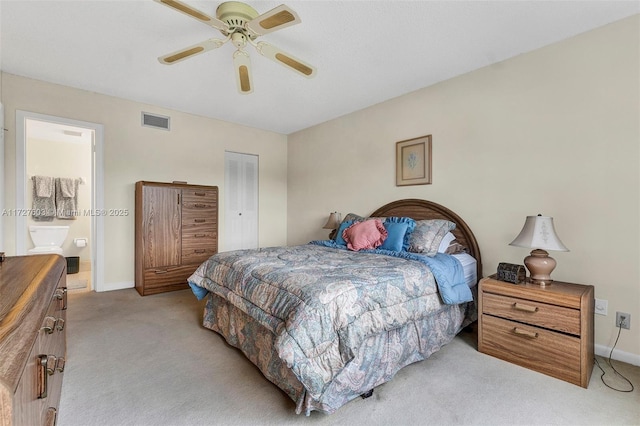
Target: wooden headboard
[423,209]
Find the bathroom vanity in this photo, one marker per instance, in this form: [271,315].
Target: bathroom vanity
[33,307]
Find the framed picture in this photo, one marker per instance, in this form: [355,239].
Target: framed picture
[413,161]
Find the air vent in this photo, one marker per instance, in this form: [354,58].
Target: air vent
[156,121]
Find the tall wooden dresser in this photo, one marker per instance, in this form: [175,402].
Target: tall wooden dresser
[32,338]
[176,227]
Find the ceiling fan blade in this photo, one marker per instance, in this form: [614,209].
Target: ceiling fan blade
[195,13]
[273,20]
[286,59]
[242,64]
[188,52]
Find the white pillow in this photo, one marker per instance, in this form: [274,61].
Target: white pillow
[446,240]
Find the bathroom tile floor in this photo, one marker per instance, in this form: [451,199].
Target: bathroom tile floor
[80,281]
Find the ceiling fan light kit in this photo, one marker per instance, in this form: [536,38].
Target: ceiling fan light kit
[241,24]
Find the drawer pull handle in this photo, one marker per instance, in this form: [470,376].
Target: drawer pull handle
[200,194]
[526,308]
[200,235]
[161,271]
[51,365]
[49,324]
[525,333]
[199,205]
[52,414]
[60,363]
[61,294]
[43,376]
[199,251]
[60,324]
[199,220]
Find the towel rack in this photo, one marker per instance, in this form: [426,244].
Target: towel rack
[81,179]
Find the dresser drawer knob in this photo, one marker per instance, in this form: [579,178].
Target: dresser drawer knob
[60,363]
[525,333]
[49,324]
[61,294]
[526,308]
[52,414]
[60,324]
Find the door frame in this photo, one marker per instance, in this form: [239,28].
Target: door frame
[97,190]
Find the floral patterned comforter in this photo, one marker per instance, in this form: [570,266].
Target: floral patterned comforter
[320,303]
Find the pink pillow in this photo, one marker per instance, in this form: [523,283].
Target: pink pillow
[365,235]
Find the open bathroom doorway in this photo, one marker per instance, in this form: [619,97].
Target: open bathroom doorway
[69,152]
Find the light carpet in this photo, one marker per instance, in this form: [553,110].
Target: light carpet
[135,360]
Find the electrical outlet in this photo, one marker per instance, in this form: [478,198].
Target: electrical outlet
[623,320]
[601,306]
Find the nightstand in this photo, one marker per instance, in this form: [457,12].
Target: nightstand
[547,329]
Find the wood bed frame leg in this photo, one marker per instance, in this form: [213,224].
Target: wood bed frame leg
[366,394]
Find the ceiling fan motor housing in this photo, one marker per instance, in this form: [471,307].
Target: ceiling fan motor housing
[236,15]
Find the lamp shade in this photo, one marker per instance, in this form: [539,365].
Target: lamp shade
[333,222]
[538,233]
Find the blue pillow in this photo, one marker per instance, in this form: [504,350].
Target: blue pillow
[395,235]
[343,226]
[411,225]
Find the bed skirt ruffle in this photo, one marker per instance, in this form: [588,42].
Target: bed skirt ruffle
[377,361]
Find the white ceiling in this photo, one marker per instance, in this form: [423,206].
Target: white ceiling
[366,52]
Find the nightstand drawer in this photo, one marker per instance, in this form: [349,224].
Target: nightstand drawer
[531,312]
[548,352]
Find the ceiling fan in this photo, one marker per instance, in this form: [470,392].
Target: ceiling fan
[241,24]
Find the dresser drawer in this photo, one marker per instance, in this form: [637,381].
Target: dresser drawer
[194,199]
[206,242]
[549,352]
[198,217]
[531,312]
[198,225]
[198,195]
[198,255]
[171,275]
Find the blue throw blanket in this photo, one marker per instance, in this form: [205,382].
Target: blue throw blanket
[445,268]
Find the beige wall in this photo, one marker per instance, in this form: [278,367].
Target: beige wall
[192,151]
[555,131]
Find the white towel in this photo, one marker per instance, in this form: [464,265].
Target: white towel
[43,185]
[66,207]
[44,206]
[68,187]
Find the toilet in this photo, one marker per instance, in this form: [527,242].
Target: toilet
[47,239]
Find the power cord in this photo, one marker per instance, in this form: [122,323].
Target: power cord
[612,367]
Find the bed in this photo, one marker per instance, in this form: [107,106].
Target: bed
[326,324]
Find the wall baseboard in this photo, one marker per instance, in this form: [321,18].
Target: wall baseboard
[118,286]
[618,355]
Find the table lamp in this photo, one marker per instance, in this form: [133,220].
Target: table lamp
[333,223]
[539,234]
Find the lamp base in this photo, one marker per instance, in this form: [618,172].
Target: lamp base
[540,266]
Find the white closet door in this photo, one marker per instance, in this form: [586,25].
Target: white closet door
[241,201]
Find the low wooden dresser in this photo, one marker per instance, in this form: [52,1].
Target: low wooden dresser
[548,329]
[33,303]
